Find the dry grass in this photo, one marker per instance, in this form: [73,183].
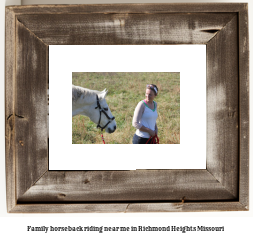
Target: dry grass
[125,91]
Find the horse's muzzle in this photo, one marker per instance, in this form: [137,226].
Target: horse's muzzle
[111,131]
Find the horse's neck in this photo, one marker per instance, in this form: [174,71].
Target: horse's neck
[83,96]
[82,100]
[89,97]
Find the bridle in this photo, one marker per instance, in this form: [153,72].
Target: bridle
[102,110]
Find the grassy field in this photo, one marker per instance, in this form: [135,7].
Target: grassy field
[125,90]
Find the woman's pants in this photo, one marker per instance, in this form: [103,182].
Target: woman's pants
[140,140]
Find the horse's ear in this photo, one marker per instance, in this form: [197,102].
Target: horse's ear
[102,95]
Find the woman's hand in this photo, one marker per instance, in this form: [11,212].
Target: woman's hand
[152,133]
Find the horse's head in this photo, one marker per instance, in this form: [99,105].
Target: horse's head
[92,104]
[101,113]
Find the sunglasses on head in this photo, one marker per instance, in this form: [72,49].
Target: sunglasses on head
[151,86]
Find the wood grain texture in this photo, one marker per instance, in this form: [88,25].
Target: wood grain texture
[30,109]
[129,207]
[223,107]
[223,186]
[244,106]
[129,8]
[133,29]
[186,207]
[140,185]
[10,65]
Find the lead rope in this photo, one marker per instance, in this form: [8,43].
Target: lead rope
[154,140]
[103,138]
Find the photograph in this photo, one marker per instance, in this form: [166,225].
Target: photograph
[130,107]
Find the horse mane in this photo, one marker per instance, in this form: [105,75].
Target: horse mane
[78,92]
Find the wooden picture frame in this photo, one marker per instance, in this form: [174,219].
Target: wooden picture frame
[222,186]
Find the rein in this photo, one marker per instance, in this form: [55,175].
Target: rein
[154,140]
[101,110]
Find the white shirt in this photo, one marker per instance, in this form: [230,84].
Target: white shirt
[144,116]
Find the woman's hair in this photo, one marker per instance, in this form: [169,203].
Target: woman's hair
[153,87]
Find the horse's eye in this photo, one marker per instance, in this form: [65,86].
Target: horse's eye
[106,109]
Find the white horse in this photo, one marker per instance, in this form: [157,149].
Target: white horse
[92,103]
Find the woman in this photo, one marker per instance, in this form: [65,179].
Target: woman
[145,116]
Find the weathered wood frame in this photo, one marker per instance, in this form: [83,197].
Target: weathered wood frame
[223,186]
